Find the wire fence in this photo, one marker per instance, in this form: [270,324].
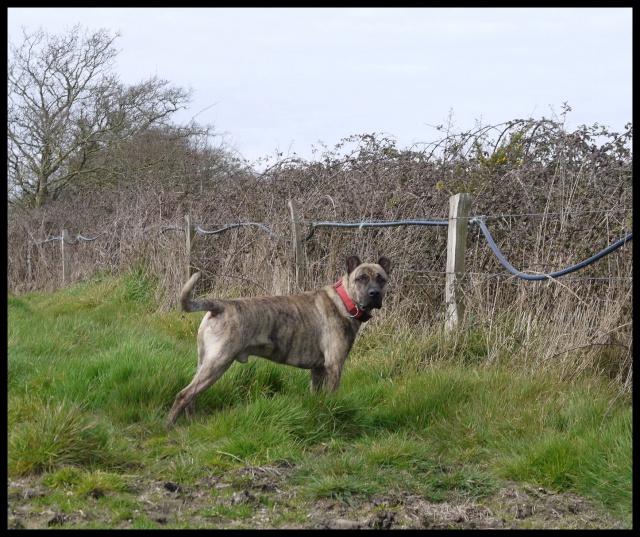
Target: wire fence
[542,282]
[479,220]
[532,261]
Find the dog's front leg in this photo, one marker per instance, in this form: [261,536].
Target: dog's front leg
[326,378]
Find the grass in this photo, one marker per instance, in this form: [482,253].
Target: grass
[93,370]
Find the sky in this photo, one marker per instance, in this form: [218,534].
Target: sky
[291,80]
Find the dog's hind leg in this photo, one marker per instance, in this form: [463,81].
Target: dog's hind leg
[190,408]
[213,365]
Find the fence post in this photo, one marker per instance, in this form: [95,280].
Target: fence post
[29,278]
[297,245]
[190,236]
[456,250]
[65,260]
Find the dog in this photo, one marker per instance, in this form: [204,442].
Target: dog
[312,330]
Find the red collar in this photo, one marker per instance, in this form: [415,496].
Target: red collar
[353,310]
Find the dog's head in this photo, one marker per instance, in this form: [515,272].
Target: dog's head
[366,282]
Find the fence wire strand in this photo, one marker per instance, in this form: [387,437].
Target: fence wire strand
[479,220]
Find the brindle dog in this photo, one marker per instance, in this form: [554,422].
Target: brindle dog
[313,330]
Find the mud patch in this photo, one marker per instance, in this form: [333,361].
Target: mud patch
[264,497]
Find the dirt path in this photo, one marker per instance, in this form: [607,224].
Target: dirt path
[271,502]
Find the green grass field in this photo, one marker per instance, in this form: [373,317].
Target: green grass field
[93,371]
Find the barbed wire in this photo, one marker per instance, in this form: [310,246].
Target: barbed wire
[361,225]
[489,275]
[479,220]
[511,280]
[561,213]
[356,224]
[79,238]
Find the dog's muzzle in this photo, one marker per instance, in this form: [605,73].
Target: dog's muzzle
[374,299]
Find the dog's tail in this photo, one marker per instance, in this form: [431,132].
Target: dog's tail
[189,305]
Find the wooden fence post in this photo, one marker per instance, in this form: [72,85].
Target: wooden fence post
[190,236]
[456,250]
[297,245]
[65,260]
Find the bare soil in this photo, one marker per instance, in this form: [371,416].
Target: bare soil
[271,502]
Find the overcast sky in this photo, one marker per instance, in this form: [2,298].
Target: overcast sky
[285,79]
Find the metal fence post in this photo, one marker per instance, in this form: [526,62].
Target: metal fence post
[65,261]
[29,273]
[190,236]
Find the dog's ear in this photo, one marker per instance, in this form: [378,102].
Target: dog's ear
[385,263]
[352,262]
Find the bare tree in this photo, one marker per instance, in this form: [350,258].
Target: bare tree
[66,106]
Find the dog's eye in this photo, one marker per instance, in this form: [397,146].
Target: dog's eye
[380,279]
[363,278]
